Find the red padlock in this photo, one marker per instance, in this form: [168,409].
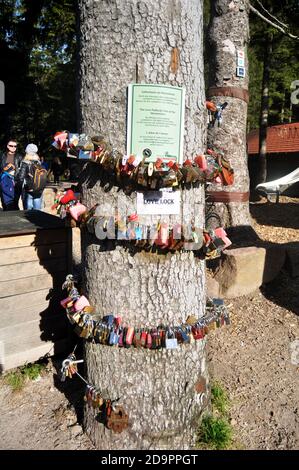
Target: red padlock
[117,321]
[143,338]
[67,197]
[133,218]
[211,106]
[197,332]
[201,162]
[131,160]
[159,163]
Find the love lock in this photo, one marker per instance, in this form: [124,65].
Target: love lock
[118,420]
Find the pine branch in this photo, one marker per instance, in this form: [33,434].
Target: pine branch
[271,16]
[279,28]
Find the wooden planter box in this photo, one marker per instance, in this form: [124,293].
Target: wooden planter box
[35,256]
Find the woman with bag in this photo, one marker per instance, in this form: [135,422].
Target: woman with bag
[33,178]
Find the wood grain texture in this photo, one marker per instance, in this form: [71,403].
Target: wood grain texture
[22,301]
[15,337]
[29,284]
[27,222]
[47,237]
[32,353]
[24,314]
[21,270]
[32,253]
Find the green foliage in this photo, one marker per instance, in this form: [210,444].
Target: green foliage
[219,398]
[255,88]
[17,378]
[38,68]
[215,432]
[284,63]
[32,371]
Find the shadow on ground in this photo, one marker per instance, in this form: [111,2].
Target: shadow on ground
[277,215]
[283,291]
[73,388]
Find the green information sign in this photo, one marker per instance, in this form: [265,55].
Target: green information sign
[156,121]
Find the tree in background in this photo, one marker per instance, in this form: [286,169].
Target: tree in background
[271,54]
[229,34]
[123,42]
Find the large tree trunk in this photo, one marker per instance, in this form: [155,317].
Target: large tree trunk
[163,391]
[228,33]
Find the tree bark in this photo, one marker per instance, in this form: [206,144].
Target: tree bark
[228,33]
[262,172]
[122,42]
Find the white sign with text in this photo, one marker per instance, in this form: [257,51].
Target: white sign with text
[164,202]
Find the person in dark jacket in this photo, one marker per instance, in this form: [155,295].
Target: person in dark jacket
[7,185]
[10,155]
[31,198]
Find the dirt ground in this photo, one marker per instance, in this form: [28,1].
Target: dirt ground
[253,359]
[44,415]
[257,357]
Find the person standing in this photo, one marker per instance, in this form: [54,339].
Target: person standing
[33,179]
[10,155]
[7,185]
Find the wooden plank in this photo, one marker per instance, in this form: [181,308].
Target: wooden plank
[25,222]
[20,270]
[13,337]
[16,316]
[24,343]
[29,284]
[23,301]
[16,241]
[33,354]
[32,253]
[48,236]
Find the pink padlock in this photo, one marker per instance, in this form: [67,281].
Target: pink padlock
[163,235]
[221,233]
[77,210]
[129,335]
[226,241]
[81,303]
